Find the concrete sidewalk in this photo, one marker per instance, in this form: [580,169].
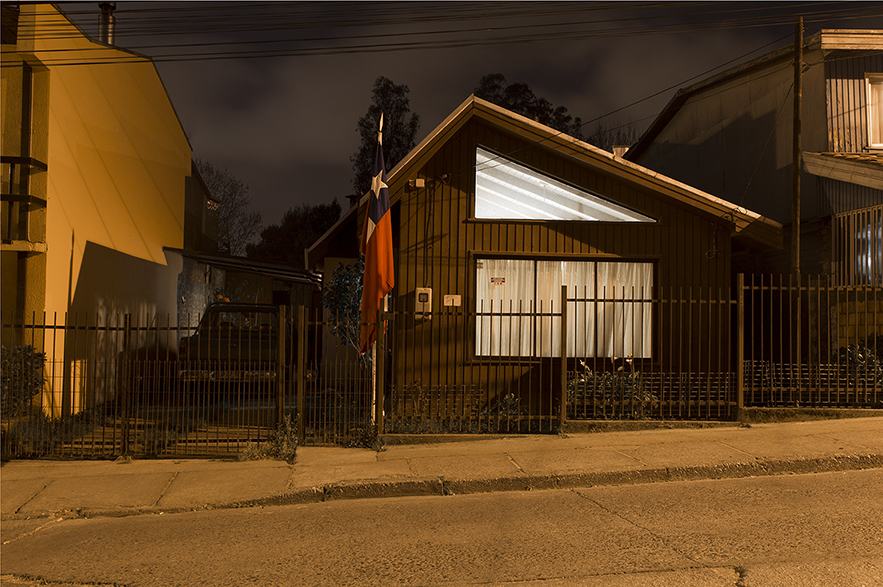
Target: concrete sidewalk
[93,488]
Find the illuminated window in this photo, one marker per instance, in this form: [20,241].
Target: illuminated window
[505,190]
[858,246]
[611,317]
[875,110]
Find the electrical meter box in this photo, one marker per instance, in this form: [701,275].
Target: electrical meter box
[424,302]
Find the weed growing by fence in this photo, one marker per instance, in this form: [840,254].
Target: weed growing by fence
[863,360]
[281,445]
[617,391]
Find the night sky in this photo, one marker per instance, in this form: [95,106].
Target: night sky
[273,91]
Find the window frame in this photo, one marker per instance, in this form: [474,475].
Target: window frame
[875,116]
[535,329]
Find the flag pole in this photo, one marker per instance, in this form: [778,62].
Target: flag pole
[374,342]
[373,382]
[378,278]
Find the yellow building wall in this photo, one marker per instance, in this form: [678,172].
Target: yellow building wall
[118,162]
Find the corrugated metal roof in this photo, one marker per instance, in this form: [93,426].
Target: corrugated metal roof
[275,270]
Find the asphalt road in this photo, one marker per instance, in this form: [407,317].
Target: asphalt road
[821,529]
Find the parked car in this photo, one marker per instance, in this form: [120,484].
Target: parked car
[234,344]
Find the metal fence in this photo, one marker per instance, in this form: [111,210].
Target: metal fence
[108,385]
[815,344]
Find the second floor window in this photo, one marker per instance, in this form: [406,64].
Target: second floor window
[875,110]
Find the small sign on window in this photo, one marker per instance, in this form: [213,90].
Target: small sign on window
[498,280]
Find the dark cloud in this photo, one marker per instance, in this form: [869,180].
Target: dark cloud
[286,126]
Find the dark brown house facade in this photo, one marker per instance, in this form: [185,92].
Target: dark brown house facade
[493,213]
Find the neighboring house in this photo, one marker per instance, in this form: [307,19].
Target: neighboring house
[731,135]
[216,277]
[493,209]
[95,170]
[96,180]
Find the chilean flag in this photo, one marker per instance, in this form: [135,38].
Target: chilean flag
[377,248]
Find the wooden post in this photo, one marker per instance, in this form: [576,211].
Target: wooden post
[280,368]
[796,158]
[562,403]
[301,372]
[740,345]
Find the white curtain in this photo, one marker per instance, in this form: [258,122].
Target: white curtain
[625,317]
[504,289]
[617,326]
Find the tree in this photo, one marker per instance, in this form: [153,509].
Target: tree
[399,131]
[519,98]
[238,224]
[342,297]
[300,227]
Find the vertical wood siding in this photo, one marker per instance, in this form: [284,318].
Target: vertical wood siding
[439,244]
[847,100]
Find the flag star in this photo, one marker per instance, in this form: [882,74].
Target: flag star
[378,184]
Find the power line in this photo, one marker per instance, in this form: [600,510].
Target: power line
[470,36]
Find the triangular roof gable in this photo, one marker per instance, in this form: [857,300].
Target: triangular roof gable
[746,224]
[826,40]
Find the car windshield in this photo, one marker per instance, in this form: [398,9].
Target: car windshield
[224,318]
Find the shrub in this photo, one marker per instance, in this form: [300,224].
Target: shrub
[860,362]
[21,378]
[619,390]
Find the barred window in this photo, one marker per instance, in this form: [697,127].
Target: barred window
[858,247]
[516,300]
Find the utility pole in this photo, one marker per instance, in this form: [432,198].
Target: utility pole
[795,194]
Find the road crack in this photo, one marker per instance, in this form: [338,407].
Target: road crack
[34,531]
[166,488]
[31,498]
[660,538]
[517,466]
[31,581]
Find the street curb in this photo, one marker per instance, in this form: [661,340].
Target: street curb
[440,486]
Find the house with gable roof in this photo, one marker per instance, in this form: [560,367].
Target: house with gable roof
[493,214]
[731,135]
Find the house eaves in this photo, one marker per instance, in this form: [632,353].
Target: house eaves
[851,39]
[274,270]
[430,144]
[864,169]
[745,224]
